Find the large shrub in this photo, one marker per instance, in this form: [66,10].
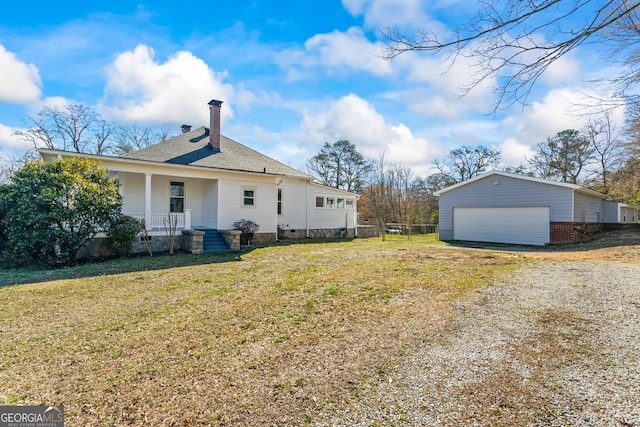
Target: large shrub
[122,233]
[52,209]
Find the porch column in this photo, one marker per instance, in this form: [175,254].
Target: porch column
[187,219]
[147,201]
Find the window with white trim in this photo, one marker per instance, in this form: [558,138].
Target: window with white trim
[279,201]
[249,196]
[176,197]
[330,202]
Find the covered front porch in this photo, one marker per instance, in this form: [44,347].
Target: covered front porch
[165,202]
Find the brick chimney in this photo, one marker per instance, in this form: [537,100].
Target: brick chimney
[185,128]
[214,124]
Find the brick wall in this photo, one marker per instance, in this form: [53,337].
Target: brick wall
[572,232]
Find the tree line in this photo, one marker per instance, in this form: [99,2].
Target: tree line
[78,128]
[599,156]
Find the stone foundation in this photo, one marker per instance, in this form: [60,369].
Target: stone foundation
[285,234]
[263,238]
[332,233]
[96,248]
[192,240]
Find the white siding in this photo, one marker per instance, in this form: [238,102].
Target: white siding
[193,199]
[160,194]
[628,215]
[610,212]
[232,209]
[209,218]
[330,217]
[133,193]
[587,208]
[294,208]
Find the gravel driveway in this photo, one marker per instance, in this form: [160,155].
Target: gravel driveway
[554,344]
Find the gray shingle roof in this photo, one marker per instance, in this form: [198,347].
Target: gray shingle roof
[192,148]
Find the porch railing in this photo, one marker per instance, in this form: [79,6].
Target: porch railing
[161,221]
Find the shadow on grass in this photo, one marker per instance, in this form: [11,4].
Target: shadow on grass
[9,277]
[604,239]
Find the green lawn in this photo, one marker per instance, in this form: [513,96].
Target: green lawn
[275,335]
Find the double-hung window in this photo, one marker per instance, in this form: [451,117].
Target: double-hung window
[249,197]
[176,197]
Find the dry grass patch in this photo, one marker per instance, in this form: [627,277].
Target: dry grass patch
[274,337]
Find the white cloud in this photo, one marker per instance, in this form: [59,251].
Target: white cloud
[141,89]
[514,153]
[336,52]
[561,109]
[54,102]
[347,49]
[20,82]
[10,142]
[438,85]
[386,13]
[557,111]
[355,7]
[563,70]
[356,120]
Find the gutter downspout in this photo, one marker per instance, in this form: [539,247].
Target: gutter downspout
[308,208]
[278,182]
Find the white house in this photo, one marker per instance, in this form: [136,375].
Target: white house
[208,182]
[509,208]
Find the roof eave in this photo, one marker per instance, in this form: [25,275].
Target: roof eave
[574,187]
[146,162]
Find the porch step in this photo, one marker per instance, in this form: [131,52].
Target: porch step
[213,242]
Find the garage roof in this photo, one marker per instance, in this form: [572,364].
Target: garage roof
[574,187]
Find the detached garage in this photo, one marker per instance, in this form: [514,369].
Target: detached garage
[501,207]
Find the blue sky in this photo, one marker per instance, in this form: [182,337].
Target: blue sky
[292,76]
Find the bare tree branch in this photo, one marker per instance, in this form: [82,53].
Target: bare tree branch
[515,42]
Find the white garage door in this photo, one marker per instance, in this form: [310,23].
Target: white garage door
[525,226]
